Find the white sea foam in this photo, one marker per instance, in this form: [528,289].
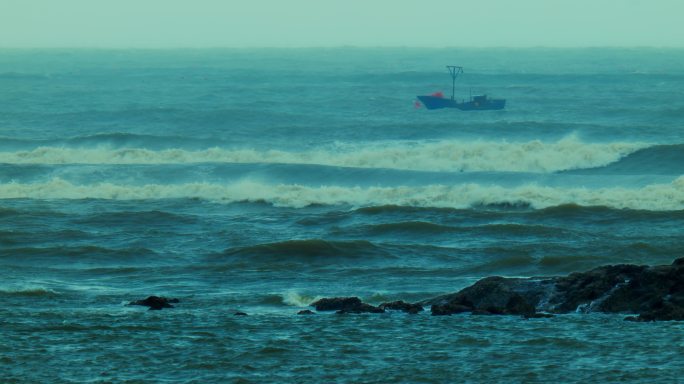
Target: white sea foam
[296,299]
[445,155]
[659,197]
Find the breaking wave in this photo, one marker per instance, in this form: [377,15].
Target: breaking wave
[31,291]
[655,197]
[445,156]
[655,160]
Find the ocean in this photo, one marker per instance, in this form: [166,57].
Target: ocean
[259,180]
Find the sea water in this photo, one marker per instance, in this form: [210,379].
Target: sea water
[258,180]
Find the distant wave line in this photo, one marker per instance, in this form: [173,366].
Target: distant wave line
[657,197]
[441,156]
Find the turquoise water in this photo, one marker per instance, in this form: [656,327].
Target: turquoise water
[260,180]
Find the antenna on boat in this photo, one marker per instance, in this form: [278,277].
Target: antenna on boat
[454,71]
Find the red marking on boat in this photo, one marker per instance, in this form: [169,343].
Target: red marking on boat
[438,94]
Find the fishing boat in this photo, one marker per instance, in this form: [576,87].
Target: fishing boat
[476,103]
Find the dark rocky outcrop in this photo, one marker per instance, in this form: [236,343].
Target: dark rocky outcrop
[493,295]
[155,302]
[595,289]
[651,293]
[661,312]
[345,305]
[402,306]
[450,308]
[655,293]
[336,303]
[363,308]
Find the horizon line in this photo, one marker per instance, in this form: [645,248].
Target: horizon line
[342,46]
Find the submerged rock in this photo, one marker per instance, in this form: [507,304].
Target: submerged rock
[345,305]
[155,302]
[306,312]
[655,293]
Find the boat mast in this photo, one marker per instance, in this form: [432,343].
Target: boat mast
[454,71]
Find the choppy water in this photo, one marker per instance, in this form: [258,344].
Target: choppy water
[260,180]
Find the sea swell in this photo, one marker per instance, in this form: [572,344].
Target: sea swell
[423,228]
[69,254]
[310,251]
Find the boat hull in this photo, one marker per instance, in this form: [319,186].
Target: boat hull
[434,102]
[488,105]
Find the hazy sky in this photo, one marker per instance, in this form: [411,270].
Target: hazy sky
[302,23]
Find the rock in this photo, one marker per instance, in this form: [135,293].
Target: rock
[517,305]
[402,306]
[649,292]
[663,312]
[155,302]
[484,312]
[593,287]
[305,312]
[493,295]
[449,309]
[336,303]
[345,305]
[239,314]
[363,308]
[655,293]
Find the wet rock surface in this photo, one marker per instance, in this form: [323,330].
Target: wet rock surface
[345,305]
[363,308]
[492,295]
[336,303]
[155,302]
[654,293]
[402,306]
